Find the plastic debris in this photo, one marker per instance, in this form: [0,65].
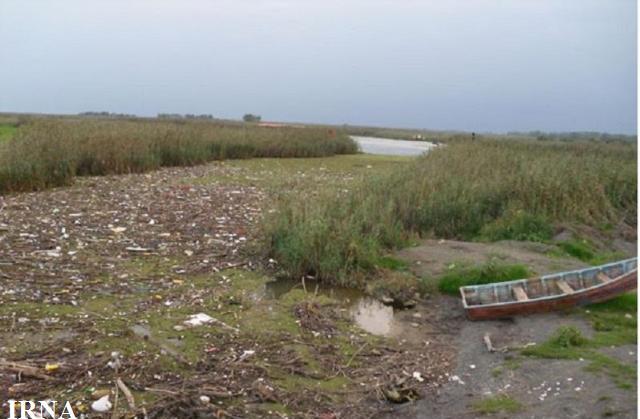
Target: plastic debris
[51,367]
[198,319]
[101,405]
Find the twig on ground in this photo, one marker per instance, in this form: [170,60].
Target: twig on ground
[127,393]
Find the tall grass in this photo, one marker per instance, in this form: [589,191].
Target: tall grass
[51,152]
[464,190]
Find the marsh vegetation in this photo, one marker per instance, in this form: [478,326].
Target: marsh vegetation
[484,190]
[51,152]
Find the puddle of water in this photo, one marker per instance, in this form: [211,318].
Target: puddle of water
[368,313]
[375,145]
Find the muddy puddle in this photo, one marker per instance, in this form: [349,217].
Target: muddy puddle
[367,312]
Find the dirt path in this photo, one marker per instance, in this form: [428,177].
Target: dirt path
[432,258]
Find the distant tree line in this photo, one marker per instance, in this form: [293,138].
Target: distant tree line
[575,136]
[249,117]
[105,114]
[185,116]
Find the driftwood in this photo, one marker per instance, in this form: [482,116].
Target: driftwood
[224,325]
[488,344]
[491,348]
[26,370]
[139,249]
[127,393]
[114,415]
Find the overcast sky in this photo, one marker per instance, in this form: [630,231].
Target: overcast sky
[482,65]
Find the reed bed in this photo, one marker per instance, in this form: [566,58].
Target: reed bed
[50,152]
[466,190]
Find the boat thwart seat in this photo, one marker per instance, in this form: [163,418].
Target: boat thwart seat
[519,293]
[564,287]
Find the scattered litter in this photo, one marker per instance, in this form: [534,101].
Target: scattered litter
[246,354]
[456,379]
[418,376]
[198,319]
[203,318]
[115,360]
[138,249]
[101,405]
[51,367]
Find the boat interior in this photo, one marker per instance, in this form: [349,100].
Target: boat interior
[546,286]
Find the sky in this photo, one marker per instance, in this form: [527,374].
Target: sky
[475,65]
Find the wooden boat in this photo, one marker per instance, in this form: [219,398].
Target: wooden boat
[550,292]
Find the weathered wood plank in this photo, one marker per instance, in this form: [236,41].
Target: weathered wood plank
[519,293]
[564,287]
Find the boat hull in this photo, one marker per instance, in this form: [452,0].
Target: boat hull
[615,287]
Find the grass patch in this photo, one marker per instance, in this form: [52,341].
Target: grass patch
[626,303]
[566,343]
[477,275]
[47,153]
[518,225]
[451,193]
[623,375]
[301,175]
[391,263]
[510,364]
[7,131]
[501,403]
[615,321]
[569,343]
[580,249]
[585,251]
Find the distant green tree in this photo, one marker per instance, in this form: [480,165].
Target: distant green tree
[249,117]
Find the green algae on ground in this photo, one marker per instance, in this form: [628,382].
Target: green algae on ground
[300,173]
[613,326]
[501,403]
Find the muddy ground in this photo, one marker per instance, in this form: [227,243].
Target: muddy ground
[98,279]
[546,388]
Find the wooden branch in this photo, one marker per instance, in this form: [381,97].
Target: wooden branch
[488,344]
[491,348]
[127,393]
[26,370]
